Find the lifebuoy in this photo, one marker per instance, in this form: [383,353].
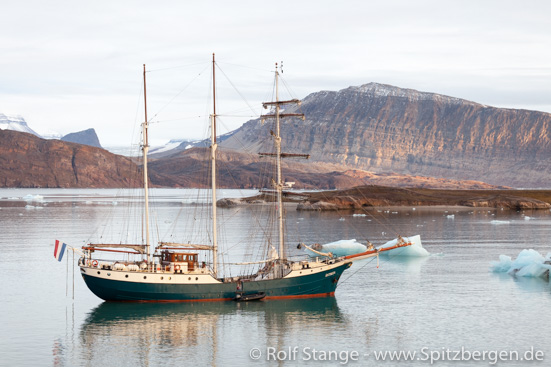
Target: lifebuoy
[95,263]
[177,267]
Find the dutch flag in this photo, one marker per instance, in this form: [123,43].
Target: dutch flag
[59,250]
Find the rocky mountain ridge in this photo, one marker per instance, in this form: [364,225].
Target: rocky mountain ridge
[29,161]
[381,128]
[86,137]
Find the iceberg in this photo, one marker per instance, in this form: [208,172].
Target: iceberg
[415,250]
[529,263]
[31,198]
[338,248]
[351,247]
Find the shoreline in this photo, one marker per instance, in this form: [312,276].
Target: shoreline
[364,197]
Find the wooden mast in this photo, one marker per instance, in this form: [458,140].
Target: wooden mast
[279,183]
[145,149]
[213,147]
[279,155]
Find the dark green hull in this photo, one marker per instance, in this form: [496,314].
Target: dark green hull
[320,284]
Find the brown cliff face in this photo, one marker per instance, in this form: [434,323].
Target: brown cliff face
[383,128]
[29,161]
[244,170]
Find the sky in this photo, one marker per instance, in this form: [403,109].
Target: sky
[67,66]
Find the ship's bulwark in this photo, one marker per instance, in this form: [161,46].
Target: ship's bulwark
[319,284]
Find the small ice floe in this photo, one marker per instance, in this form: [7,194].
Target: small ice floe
[30,198]
[415,250]
[30,207]
[89,202]
[527,217]
[412,208]
[359,215]
[450,216]
[529,263]
[498,222]
[342,219]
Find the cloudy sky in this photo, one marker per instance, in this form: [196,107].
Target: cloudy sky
[70,65]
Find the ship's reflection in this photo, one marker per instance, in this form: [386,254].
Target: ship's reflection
[198,333]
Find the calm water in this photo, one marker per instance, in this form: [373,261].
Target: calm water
[446,301]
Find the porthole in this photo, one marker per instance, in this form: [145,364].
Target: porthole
[126,276]
[144,277]
[189,278]
[196,278]
[99,273]
[169,278]
[108,274]
[162,278]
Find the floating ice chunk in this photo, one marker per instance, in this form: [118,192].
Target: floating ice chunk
[527,217]
[498,222]
[30,198]
[359,215]
[29,207]
[339,248]
[342,219]
[529,263]
[450,216]
[415,250]
[88,202]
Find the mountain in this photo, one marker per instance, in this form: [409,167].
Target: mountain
[382,128]
[15,123]
[29,161]
[86,137]
[237,169]
[175,146]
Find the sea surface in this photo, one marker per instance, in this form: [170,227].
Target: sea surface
[446,309]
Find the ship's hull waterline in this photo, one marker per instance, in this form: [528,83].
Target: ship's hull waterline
[112,285]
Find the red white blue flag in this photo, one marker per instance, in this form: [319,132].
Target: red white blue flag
[59,250]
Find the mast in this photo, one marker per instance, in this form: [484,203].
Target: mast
[279,183]
[278,156]
[213,147]
[145,149]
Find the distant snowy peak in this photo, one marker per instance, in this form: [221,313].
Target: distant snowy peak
[16,123]
[385,90]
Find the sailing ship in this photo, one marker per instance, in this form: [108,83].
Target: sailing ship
[172,272]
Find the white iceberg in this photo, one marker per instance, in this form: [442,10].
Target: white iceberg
[30,198]
[415,250]
[338,248]
[529,263]
[351,247]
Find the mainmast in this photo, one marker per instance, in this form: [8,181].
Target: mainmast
[145,149]
[213,147]
[278,155]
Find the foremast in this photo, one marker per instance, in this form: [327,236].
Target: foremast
[278,184]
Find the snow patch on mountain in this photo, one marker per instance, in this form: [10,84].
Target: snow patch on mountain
[15,123]
[385,90]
